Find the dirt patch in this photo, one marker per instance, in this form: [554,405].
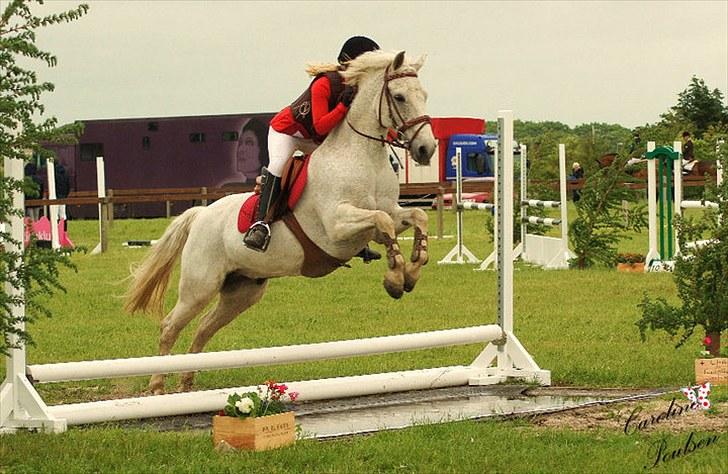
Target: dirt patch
[643,415]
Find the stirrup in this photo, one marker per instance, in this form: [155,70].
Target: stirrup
[256,245]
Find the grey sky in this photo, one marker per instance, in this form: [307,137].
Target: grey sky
[574,62]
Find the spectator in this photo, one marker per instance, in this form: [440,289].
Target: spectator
[577,172]
[32,179]
[63,187]
[688,155]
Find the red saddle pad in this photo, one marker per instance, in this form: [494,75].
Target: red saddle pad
[246,215]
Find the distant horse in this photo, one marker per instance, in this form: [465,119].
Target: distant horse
[351,198]
[700,168]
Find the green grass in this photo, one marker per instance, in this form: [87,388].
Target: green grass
[578,324]
[502,447]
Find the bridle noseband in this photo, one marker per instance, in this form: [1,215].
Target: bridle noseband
[395,137]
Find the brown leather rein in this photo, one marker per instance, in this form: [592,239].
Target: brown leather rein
[395,137]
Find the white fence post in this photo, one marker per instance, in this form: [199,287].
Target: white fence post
[20,404]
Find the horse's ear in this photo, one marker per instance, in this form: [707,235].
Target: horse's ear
[420,61]
[398,61]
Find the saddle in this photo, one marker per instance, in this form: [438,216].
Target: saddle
[316,262]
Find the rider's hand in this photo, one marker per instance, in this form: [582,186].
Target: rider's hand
[258,185]
[347,95]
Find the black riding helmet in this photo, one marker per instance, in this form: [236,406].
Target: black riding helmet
[355,46]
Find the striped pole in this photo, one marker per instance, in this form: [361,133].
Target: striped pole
[541,220]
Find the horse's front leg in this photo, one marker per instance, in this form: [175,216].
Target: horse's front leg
[417,218]
[349,221]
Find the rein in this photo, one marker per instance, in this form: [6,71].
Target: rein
[394,137]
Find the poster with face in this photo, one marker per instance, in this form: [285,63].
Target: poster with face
[251,153]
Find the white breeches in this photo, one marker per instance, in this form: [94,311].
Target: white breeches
[282,146]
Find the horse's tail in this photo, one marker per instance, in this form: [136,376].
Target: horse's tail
[151,278]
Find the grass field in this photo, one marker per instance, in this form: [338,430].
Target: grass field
[578,324]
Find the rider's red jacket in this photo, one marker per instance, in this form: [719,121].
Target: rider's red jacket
[316,112]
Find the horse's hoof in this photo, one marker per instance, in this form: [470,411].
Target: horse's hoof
[409,283]
[393,290]
[157,391]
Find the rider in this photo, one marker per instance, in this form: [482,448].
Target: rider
[303,126]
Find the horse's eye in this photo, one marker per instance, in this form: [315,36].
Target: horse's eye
[399,98]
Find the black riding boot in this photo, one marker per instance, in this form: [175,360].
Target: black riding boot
[258,236]
[368,255]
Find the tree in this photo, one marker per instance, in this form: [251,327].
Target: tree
[22,130]
[699,106]
[601,220]
[701,277]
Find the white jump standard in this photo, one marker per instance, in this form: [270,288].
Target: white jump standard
[549,252]
[660,183]
[460,253]
[503,357]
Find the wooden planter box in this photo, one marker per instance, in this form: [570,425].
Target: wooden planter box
[714,370]
[254,434]
[631,267]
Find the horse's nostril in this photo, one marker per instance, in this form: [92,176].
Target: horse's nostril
[422,150]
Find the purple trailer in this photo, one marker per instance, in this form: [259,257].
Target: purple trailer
[169,152]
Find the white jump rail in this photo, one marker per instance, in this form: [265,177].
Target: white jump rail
[502,358]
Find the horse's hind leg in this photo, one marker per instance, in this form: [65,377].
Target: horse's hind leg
[194,294]
[238,293]
[404,218]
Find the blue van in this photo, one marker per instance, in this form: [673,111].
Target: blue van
[478,155]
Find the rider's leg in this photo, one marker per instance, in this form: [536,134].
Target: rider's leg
[368,255]
[258,235]
[280,147]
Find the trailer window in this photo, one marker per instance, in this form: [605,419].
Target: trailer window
[152,126]
[89,151]
[197,137]
[229,136]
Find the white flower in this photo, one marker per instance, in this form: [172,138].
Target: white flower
[245,405]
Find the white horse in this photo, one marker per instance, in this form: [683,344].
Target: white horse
[350,199]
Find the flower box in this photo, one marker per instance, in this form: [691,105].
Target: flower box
[713,370]
[254,434]
[631,267]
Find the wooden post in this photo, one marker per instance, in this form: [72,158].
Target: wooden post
[169,209]
[440,207]
[204,193]
[110,211]
[104,224]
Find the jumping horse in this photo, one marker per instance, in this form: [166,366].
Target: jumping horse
[351,198]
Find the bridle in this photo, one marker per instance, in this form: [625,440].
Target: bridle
[395,137]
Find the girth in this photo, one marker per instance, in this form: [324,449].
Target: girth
[316,262]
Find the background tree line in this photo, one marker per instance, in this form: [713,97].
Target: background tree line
[699,110]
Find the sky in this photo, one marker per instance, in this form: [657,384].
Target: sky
[573,62]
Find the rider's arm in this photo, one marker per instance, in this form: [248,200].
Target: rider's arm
[324,120]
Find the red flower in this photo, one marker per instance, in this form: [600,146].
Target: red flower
[707,341]
[293,396]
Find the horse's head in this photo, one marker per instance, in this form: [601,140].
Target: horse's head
[390,91]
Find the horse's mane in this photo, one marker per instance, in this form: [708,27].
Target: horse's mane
[367,62]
